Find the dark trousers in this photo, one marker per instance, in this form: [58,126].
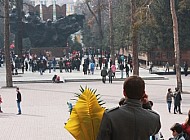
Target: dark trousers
[110,79]
[103,79]
[177,108]
[185,72]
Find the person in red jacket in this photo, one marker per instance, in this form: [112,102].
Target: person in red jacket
[186,125]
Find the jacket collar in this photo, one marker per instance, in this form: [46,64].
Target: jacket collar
[133,102]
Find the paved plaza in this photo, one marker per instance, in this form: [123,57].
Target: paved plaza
[44,104]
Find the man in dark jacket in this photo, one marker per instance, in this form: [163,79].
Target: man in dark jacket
[61,65]
[18,100]
[127,69]
[177,101]
[104,73]
[121,67]
[130,121]
[185,68]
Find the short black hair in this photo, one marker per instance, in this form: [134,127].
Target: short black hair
[134,87]
[177,127]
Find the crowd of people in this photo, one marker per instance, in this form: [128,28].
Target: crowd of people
[43,63]
[135,107]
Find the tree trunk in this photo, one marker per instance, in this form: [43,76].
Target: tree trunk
[176,45]
[9,82]
[100,26]
[111,32]
[134,39]
[18,42]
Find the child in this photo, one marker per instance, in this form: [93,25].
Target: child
[56,79]
[70,107]
[177,132]
[0,104]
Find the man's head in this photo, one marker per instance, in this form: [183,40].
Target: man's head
[134,87]
[169,89]
[17,89]
[176,128]
[176,89]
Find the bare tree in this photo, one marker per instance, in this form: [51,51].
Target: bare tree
[134,38]
[9,82]
[18,37]
[111,37]
[176,44]
[98,19]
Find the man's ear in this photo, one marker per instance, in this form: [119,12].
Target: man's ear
[124,93]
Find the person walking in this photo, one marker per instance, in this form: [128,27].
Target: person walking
[185,67]
[167,67]
[110,75]
[92,67]
[18,100]
[121,67]
[61,65]
[131,65]
[126,69]
[104,73]
[41,67]
[150,67]
[169,99]
[177,101]
[113,68]
[54,62]
[100,60]
[129,120]
[26,64]
[85,68]
[49,65]
[1,101]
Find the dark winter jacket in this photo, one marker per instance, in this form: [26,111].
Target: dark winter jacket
[104,72]
[18,96]
[129,122]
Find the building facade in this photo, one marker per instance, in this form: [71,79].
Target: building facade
[57,6]
[69,4]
